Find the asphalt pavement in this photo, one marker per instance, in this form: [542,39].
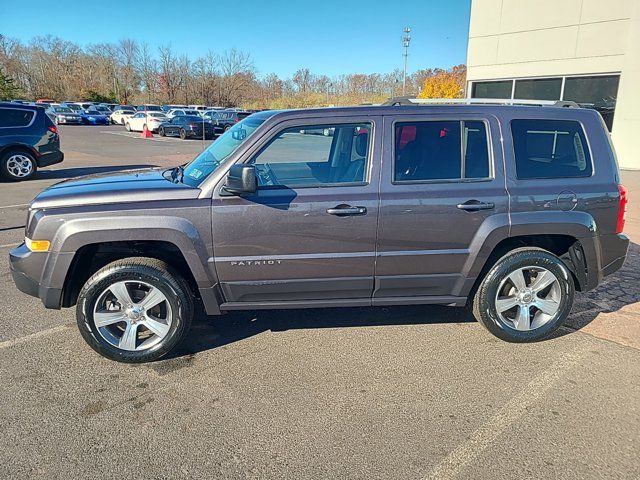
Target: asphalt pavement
[390,393]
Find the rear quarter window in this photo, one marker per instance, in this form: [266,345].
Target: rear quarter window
[550,149]
[10,117]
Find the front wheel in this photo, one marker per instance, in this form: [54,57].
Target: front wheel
[161,132]
[183,134]
[526,296]
[134,310]
[128,127]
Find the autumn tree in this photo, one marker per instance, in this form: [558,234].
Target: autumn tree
[444,83]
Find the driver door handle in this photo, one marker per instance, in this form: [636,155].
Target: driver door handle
[475,205]
[346,210]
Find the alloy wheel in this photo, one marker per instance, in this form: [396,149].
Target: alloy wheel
[132,315]
[19,165]
[528,298]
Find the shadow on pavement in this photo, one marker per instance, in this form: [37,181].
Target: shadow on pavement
[212,332]
[617,291]
[62,173]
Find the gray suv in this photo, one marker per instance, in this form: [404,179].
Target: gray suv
[505,208]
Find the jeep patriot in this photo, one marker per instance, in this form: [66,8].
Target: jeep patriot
[504,207]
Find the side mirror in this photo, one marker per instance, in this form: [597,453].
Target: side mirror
[241,179]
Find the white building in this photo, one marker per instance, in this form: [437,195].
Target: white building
[587,51]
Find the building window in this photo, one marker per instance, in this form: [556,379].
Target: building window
[599,92]
[538,89]
[499,89]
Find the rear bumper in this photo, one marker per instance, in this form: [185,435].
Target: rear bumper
[50,158]
[614,252]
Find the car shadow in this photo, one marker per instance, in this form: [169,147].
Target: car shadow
[209,332]
[62,173]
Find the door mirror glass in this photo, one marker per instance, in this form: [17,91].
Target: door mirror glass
[241,179]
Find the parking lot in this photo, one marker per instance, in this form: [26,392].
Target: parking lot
[402,392]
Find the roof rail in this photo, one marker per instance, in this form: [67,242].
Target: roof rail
[398,101]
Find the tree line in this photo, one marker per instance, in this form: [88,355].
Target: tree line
[132,72]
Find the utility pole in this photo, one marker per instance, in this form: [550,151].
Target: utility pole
[406,40]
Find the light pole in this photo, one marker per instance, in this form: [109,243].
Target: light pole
[329,85]
[406,40]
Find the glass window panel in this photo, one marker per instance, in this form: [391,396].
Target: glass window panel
[538,89]
[498,89]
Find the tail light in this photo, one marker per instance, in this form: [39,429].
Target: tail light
[53,129]
[622,208]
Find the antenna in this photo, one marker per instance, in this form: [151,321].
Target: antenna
[406,40]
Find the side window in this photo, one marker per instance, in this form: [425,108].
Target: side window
[441,150]
[15,118]
[550,149]
[315,155]
[178,112]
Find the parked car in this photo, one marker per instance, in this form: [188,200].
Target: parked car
[61,114]
[73,106]
[28,140]
[187,126]
[174,112]
[149,108]
[166,108]
[228,118]
[151,119]
[103,109]
[507,208]
[92,116]
[122,113]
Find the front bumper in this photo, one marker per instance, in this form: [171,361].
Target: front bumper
[26,266]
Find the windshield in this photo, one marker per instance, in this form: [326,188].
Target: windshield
[211,158]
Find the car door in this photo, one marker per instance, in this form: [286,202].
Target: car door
[308,233]
[442,191]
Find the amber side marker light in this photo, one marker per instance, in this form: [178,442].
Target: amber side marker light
[37,245]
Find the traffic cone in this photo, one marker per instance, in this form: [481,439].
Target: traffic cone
[146,133]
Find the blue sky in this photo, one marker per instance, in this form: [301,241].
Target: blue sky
[326,36]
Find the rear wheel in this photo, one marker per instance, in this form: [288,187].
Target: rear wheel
[161,132]
[17,166]
[227,128]
[134,310]
[526,296]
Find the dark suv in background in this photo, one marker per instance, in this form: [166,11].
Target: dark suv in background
[28,139]
[506,208]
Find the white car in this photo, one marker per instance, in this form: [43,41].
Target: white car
[121,115]
[178,112]
[151,119]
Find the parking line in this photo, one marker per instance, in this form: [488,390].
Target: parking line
[8,245]
[42,333]
[136,136]
[14,206]
[510,412]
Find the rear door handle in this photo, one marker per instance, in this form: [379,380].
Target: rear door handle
[346,210]
[475,205]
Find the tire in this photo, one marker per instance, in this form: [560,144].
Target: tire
[122,121]
[161,132]
[18,165]
[227,127]
[183,134]
[128,127]
[143,276]
[525,321]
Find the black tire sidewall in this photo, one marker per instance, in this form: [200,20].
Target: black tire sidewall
[484,304]
[92,290]
[183,134]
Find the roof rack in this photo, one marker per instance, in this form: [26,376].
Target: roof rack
[399,101]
